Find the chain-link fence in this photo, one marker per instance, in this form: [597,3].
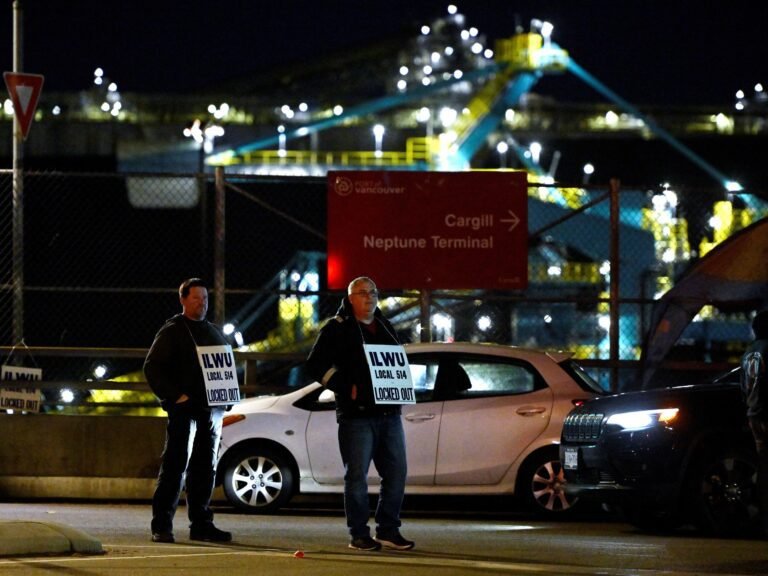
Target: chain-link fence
[94,261]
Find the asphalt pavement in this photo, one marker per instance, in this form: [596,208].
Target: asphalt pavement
[464,537]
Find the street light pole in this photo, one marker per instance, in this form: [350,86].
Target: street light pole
[502,147]
[378,135]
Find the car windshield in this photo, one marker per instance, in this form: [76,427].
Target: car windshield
[581,377]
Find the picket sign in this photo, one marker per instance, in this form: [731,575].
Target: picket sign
[390,374]
[219,374]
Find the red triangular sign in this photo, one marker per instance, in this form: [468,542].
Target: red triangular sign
[24,90]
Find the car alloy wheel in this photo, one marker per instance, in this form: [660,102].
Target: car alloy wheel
[258,480]
[543,481]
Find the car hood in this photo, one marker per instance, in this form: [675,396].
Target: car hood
[658,397]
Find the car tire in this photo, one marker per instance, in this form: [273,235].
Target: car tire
[721,490]
[258,479]
[541,486]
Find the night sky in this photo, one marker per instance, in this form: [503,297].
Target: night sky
[662,52]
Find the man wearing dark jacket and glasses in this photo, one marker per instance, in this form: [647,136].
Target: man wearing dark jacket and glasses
[368,432]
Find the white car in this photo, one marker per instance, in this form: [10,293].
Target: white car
[487,420]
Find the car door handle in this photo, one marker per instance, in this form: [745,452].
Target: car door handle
[531,410]
[419,417]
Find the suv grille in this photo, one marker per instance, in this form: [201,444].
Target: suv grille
[582,427]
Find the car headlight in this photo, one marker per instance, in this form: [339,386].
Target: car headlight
[643,418]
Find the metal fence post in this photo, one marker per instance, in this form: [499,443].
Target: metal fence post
[425,301]
[219,250]
[614,287]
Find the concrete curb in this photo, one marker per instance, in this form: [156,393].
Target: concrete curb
[21,538]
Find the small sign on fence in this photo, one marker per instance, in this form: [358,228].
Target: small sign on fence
[22,398]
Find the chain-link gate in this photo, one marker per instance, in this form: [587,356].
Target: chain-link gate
[102,255]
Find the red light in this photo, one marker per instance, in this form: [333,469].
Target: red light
[335,272]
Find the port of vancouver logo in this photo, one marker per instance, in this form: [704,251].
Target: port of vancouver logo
[343,186]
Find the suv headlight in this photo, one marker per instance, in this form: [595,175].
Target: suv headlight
[640,419]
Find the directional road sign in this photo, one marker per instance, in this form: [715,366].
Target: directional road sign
[436,230]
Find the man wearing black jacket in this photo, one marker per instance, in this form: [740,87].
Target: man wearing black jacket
[367,431]
[174,374]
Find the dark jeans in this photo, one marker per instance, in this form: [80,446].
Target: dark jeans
[381,440]
[760,433]
[199,430]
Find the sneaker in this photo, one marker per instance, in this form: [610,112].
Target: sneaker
[364,543]
[164,537]
[209,533]
[395,542]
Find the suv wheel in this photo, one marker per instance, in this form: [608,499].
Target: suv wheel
[723,492]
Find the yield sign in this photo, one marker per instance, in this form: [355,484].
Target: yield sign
[24,90]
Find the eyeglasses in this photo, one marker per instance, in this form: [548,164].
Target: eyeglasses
[371,293]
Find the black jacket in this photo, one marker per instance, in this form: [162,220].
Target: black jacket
[172,367]
[337,360]
[754,379]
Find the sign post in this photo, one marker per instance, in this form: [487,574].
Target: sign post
[24,90]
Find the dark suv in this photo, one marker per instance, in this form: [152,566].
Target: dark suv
[667,457]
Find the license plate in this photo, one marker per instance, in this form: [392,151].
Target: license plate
[571,458]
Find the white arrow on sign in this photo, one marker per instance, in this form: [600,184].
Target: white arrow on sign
[513,221]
